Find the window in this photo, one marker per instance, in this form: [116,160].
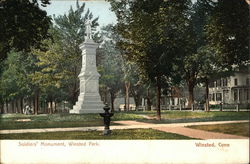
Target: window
[172,100]
[210,97]
[247,82]
[224,82]
[235,81]
[247,95]
[213,97]
[225,95]
[211,84]
[235,95]
[218,96]
[219,83]
[240,94]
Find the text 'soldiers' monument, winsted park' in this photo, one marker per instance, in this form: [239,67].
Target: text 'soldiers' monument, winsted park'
[89,100]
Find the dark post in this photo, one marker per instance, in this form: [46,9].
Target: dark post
[192,107]
[237,107]
[221,106]
[106,119]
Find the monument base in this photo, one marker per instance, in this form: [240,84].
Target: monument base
[88,104]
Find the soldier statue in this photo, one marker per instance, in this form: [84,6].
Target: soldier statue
[88,29]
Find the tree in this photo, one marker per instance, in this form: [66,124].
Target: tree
[221,41]
[52,73]
[228,31]
[133,83]
[149,31]
[20,36]
[110,65]
[22,25]
[15,81]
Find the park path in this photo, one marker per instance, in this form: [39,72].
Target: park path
[179,128]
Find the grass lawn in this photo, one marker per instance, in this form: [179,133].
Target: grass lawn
[197,116]
[12,121]
[241,129]
[125,134]
[201,114]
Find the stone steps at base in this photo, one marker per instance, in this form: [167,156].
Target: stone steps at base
[88,107]
[86,111]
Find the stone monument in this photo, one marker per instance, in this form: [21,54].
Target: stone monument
[89,100]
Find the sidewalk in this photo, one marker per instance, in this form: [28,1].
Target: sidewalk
[179,128]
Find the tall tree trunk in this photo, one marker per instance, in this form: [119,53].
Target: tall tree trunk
[51,107]
[55,108]
[34,104]
[75,92]
[17,106]
[137,101]
[38,100]
[207,96]
[125,103]
[127,86]
[148,100]
[48,107]
[190,93]
[63,106]
[2,107]
[158,106]
[12,106]
[136,97]
[21,104]
[45,110]
[7,106]
[112,98]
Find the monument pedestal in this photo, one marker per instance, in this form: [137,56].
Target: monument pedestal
[89,100]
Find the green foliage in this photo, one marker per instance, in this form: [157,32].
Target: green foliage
[149,33]
[228,31]
[111,79]
[22,25]
[152,37]
[15,81]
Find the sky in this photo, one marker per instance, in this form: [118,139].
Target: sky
[99,8]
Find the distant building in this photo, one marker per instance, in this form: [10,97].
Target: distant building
[119,103]
[230,90]
[179,96]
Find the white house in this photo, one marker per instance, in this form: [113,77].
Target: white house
[231,90]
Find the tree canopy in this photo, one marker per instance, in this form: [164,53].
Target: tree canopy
[22,25]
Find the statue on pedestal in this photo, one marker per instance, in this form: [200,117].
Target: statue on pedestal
[88,29]
[89,99]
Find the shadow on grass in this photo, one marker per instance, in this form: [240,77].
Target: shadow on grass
[187,120]
[125,134]
[241,129]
